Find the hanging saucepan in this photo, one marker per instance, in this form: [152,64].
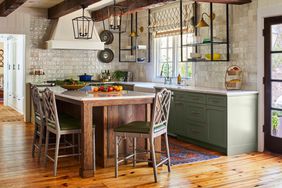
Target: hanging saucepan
[106,36]
[106,55]
[85,78]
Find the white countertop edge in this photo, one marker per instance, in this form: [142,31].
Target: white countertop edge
[118,98]
[212,91]
[103,98]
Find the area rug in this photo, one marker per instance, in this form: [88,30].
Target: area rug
[180,154]
[7,114]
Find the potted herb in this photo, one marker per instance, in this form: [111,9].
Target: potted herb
[275,123]
[119,75]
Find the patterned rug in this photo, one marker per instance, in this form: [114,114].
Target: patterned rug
[7,114]
[181,155]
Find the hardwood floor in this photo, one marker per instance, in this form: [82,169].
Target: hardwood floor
[8,114]
[19,169]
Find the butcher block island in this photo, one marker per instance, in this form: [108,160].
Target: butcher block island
[107,110]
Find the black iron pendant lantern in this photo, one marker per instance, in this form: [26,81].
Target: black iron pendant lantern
[115,18]
[83,26]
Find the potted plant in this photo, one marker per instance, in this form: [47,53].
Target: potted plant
[119,75]
[275,123]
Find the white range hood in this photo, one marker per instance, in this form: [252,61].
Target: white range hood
[62,36]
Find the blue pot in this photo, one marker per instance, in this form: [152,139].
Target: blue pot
[85,78]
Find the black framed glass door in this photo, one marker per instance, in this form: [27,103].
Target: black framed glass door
[273,83]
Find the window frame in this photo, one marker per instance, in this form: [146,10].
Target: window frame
[176,59]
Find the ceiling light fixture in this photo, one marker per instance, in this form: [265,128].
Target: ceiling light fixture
[83,26]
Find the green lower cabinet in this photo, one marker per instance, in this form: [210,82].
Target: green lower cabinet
[197,131]
[217,126]
[180,118]
[171,120]
[227,124]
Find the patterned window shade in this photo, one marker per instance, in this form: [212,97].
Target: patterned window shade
[165,21]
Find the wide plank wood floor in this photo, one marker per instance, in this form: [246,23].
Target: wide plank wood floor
[19,169]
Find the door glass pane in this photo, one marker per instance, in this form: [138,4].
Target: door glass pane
[276,94]
[276,66]
[276,123]
[276,37]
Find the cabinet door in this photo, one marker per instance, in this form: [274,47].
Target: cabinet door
[180,118]
[171,120]
[217,126]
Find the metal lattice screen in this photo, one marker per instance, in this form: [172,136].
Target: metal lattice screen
[165,21]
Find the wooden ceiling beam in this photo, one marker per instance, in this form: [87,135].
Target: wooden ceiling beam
[235,2]
[9,6]
[68,6]
[132,6]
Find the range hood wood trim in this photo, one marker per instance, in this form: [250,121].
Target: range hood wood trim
[74,45]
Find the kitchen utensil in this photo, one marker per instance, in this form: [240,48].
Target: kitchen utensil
[106,55]
[141,59]
[106,36]
[85,78]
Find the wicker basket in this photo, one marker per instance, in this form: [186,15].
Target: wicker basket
[233,78]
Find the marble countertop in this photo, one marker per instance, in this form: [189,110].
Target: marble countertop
[191,88]
[150,87]
[85,94]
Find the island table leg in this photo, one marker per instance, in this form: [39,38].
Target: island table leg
[86,160]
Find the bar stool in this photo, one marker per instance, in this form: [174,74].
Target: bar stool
[60,124]
[39,121]
[149,130]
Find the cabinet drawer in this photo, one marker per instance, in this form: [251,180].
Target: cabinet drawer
[190,97]
[215,100]
[196,112]
[197,132]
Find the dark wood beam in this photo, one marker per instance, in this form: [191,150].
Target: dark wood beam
[132,6]
[68,6]
[9,6]
[235,2]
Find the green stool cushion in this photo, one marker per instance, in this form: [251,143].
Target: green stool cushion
[68,122]
[138,127]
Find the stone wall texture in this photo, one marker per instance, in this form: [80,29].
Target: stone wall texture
[60,64]
[243,24]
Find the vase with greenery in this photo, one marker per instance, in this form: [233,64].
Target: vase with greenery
[119,75]
[275,123]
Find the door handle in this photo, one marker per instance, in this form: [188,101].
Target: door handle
[14,67]
[18,66]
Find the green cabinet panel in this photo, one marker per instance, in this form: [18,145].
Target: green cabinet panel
[172,119]
[190,97]
[196,112]
[197,131]
[217,100]
[180,118]
[217,126]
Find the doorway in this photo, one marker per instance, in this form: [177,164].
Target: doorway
[12,77]
[273,83]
